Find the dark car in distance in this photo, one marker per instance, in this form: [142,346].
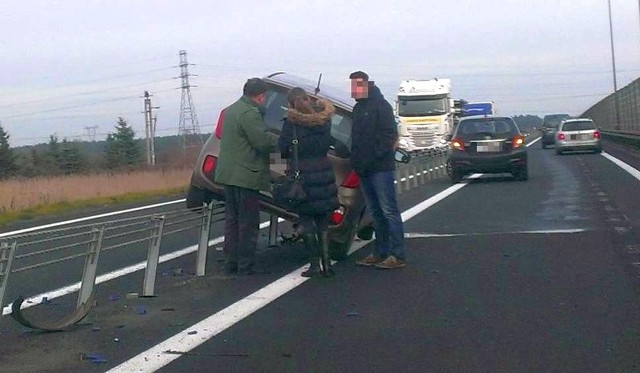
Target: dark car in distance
[549,128]
[487,144]
[352,217]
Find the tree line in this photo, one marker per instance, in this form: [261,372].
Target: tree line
[120,151]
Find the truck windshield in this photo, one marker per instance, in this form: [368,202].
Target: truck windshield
[421,107]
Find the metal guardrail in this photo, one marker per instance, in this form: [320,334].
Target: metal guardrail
[632,135]
[21,253]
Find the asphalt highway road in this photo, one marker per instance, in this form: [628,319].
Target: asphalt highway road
[502,276]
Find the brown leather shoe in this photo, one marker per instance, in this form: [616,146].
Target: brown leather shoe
[391,262]
[369,261]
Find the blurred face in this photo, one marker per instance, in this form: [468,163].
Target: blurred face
[359,88]
[260,99]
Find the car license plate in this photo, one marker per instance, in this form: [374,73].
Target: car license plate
[573,137]
[586,136]
[489,147]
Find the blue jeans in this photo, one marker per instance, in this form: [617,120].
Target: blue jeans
[380,195]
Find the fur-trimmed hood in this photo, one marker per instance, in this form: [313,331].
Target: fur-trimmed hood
[311,120]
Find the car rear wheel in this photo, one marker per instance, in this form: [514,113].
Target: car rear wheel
[455,175]
[340,250]
[521,174]
[196,197]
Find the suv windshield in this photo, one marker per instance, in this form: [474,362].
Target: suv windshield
[494,128]
[553,121]
[579,126]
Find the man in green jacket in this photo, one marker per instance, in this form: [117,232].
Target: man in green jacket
[243,168]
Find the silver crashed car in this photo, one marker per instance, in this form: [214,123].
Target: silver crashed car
[352,217]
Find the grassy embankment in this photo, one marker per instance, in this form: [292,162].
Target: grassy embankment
[22,199]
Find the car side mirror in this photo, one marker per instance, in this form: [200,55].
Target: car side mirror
[402,156]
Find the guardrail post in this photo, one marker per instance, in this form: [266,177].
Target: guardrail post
[414,171]
[422,168]
[203,244]
[273,230]
[90,266]
[6,258]
[407,177]
[153,256]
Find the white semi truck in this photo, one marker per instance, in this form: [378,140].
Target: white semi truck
[425,113]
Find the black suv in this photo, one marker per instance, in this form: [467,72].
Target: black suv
[487,144]
[550,125]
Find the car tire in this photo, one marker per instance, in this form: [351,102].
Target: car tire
[455,176]
[340,250]
[544,146]
[558,151]
[598,151]
[365,233]
[196,197]
[521,174]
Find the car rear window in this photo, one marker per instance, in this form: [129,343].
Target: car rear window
[579,126]
[553,121]
[475,129]
[276,105]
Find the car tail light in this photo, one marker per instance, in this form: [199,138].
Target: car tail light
[336,216]
[209,164]
[218,129]
[457,144]
[517,141]
[596,135]
[351,181]
[560,136]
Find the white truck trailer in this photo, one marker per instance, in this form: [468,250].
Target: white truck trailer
[425,113]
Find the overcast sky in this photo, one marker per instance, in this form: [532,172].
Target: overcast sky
[68,65]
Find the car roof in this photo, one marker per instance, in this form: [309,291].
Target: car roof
[557,115]
[578,120]
[490,116]
[338,97]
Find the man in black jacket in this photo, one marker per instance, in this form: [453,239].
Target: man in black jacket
[374,140]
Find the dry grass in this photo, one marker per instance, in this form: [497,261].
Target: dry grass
[23,194]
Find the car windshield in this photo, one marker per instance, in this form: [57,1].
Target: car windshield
[553,121]
[579,126]
[421,106]
[490,128]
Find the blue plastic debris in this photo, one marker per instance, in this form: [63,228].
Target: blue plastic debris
[140,310]
[353,313]
[96,329]
[114,298]
[45,300]
[95,358]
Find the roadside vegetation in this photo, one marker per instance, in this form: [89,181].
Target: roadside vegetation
[61,176]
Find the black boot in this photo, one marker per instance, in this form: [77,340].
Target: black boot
[327,270]
[311,244]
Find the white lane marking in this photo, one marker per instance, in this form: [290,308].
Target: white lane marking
[156,358]
[437,235]
[58,224]
[635,173]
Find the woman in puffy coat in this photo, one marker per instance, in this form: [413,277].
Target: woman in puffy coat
[313,129]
